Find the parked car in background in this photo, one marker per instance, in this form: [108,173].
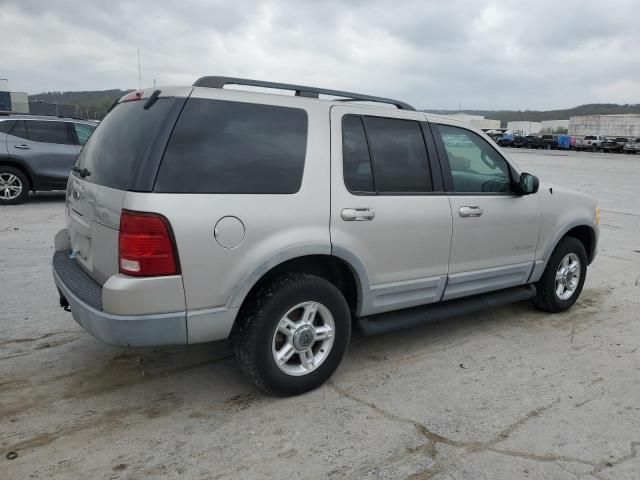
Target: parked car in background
[535,142]
[621,141]
[551,141]
[632,146]
[520,142]
[590,142]
[37,153]
[565,142]
[610,145]
[200,213]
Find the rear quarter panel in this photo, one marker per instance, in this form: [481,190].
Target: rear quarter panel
[276,227]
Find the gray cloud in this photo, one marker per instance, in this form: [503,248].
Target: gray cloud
[435,54]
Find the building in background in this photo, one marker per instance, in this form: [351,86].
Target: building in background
[524,127]
[12,101]
[627,125]
[555,126]
[477,121]
[58,109]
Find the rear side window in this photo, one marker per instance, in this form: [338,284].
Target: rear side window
[48,132]
[5,126]
[358,176]
[232,147]
[124,138]
[398,156]
[589,137]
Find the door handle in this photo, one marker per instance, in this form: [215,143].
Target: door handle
[23,147]
[357,214]
[469,211]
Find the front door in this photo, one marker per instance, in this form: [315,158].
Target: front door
[386,219]
[495,231]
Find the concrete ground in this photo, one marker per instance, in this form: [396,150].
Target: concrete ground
[507,394]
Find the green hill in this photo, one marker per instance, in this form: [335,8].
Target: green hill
[99,101]
[95,102]
[537,116]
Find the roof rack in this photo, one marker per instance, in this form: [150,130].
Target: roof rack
[301,91]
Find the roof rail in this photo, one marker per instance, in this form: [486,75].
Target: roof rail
[301,91]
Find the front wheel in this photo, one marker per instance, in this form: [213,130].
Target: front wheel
[294,332]
[563,278]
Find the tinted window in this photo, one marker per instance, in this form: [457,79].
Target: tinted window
[358,176]
[19,129]
[48,132]
[123,138]
[232,147]
[475,165]
[589,137]
[399,153]
[83,132]
[5,126]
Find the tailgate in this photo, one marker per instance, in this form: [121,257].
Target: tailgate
[93,219]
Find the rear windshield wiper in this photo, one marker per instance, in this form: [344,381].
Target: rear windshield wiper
[151,100]
[83,172]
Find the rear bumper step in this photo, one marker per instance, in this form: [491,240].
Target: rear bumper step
[412,317]
[83,296]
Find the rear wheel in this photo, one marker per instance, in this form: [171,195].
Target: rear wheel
[294,332]
[14,186]
[563,278]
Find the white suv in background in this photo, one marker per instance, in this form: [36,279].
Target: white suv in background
[203,213]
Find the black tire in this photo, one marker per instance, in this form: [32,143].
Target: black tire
[259,319]
[546,298]
[23,181]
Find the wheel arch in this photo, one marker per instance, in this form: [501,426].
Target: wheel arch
[587,236]
[337,270]
[581,231]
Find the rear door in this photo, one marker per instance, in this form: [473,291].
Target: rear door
[389,215]
[48,148]
[495,231]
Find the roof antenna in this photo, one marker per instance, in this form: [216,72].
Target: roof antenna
[139,72]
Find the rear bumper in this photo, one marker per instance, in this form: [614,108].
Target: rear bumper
[85,300]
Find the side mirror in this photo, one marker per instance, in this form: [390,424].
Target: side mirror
[528,184]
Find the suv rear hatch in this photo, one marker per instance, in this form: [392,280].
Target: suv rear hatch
[122,154]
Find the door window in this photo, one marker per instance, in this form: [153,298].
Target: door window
[475,166]
[358,176]
[83,132]
[394,147]
[48,132]
[19,129]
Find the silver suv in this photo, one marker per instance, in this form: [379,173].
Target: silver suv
[204,213]
[37,153]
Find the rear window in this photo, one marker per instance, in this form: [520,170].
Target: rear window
[123,138]
[232,147]
[47,131]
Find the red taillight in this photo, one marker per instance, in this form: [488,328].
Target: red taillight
[133,96]
[146,247]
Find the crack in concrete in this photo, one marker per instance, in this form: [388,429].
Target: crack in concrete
[610,464]
[35,339]
[435,439]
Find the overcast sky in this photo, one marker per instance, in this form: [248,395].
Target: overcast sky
[533,54]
